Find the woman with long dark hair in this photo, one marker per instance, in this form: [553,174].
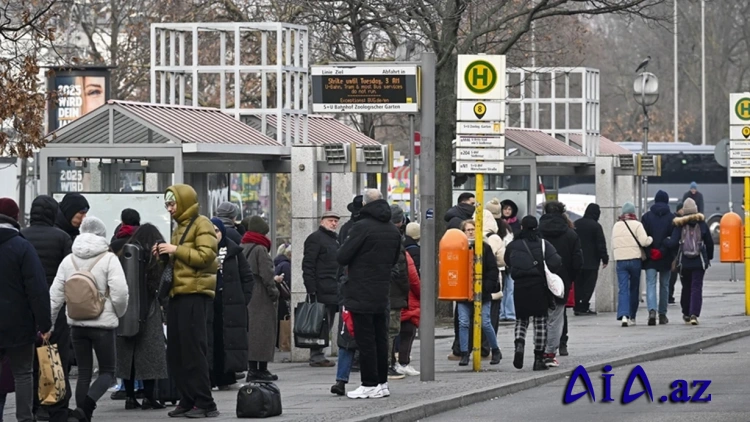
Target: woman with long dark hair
[143,356]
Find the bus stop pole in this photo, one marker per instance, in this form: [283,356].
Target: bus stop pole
[478,252]
[747,246]
[732,266]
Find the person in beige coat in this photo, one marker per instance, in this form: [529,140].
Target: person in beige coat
[628,240]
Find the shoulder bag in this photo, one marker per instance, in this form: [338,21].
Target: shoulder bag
[554,282]
[643,251]
[167,277]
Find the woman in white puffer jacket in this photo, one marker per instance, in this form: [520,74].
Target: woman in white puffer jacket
[498,244]
[92,248]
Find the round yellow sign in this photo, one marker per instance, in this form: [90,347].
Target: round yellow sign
[742,108]
[480,77]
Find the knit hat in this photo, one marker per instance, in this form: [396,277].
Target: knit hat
[72,204]
[662,197]
[412,230]
[495,208]
[689,207]
[8,207]
[93,225]
[130,217]
[397,214]
[693,185]
[529,223]
[628,208]
[227,211]
[256,224]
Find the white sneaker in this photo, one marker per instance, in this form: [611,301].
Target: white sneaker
[631,322]
[384,391]
[625,322]
[406,370]
[364,392]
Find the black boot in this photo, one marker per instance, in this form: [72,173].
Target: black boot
[464,359]
[131,403]
[85,412]
[518,356]
[339,388]
[496,356]
[539,364]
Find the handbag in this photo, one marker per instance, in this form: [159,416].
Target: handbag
[51,375]
[285,334]
[309,318]
[259,400]
[167,277]
[643,251]
[554,282]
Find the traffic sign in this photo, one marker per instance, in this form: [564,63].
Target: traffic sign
[739,132]
[479,128]
[491,154]
[739,144]
[739,163]
[739,172]
[739,109]
[481,77]
[476,111]
[480,141]
[495,167]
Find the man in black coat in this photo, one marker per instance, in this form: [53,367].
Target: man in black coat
[52,245]
[555,227]
[73,209]
[696,196]
[594,248]
[464,210]
[370,252]
[354,207]
[24,306]
[320,274]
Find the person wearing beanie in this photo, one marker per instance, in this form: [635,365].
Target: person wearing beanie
[320,275]
[25,309]
[193,252]
[91,252]
[73,210]
[695,195]
[691,240]
[8,207]
[524,256]
[52,245]
[594,249]
[130,220]
[354,208]
[411,244]
[227,212]
[263,307]
[658,224]
[398,218]
[629,239]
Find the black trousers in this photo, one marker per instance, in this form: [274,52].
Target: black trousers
[58,412]
[585,285]
[187,348]
[218,376]
[564,337]
[406,340]
[371,335]
[485,343]
[672,282]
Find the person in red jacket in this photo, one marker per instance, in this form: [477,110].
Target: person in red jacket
[409,321]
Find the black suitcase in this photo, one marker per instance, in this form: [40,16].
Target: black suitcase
[166,390]
[259,400]
[134,266]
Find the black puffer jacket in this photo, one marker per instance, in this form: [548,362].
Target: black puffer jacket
[531,295]
[591,235]
[370,252]
[399,293]
[319,267]
[555,229]
[51,243]
[457,214]
[413,249]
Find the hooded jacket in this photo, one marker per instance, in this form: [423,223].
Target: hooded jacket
[319,266]
[513,221]
[411,313]
[195,263]
[24,297]
[675,240]
[87,248]
[51,244]
[399,291]
[498,245]
[658,224]
[555,229]
[531,294]
[370,252]
[591,235]
[72,204]
[457,214]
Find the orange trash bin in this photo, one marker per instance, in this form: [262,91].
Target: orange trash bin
[731,238]
[456,272]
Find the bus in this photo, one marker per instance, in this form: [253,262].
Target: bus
[681,164]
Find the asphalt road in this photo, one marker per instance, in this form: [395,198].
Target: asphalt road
[725,365]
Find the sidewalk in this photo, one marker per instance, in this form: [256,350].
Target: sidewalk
[593,341]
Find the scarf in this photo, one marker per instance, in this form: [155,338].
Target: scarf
[511,220]
[125,231]
[628,216]
[257,238]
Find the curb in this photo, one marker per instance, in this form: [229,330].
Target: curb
[425,409]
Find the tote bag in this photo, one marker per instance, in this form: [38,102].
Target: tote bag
[51,375]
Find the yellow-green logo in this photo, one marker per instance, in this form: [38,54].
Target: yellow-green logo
[480,77]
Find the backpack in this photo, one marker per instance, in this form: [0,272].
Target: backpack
[691,241]
[82,297]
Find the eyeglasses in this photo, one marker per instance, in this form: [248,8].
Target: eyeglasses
[170,204]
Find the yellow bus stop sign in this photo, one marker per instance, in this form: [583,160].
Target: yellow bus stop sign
[742,109]
[480,77]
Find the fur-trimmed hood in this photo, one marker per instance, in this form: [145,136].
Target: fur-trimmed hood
[681,221]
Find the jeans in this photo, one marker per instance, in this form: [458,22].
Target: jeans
[344,366]
[371,335]
[507,306]
[318,355]
[465,310]
[628,281]
[663,290]
[691,298]
[555,321]
[22,366]
[102,342]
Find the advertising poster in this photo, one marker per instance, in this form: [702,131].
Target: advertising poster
[77,92]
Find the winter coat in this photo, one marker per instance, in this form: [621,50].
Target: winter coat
[697,197]
[399,290]
[319,266]
[24,296]
[195,262]
[675,240]
[51,244]
[236,296]
[513,221]
[63,224]
[489,229]
[531,295]
[7,383]
[457,214]
[555,229]
[108,273]
[146,349]
[411,312]
[282,265]
[658,225]
[344,230]
[262,319]
[624,246]
[413,249]
[593,242]
[370,252]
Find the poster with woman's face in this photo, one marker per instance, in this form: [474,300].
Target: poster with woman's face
[78,95]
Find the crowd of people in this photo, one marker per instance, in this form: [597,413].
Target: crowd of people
[222,297]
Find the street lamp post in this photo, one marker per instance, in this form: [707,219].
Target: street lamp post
[646,93]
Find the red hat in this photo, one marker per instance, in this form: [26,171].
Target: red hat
[9,207]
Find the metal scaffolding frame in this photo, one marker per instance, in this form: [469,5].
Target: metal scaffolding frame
[283,54]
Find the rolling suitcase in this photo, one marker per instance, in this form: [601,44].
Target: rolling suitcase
[134,265]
